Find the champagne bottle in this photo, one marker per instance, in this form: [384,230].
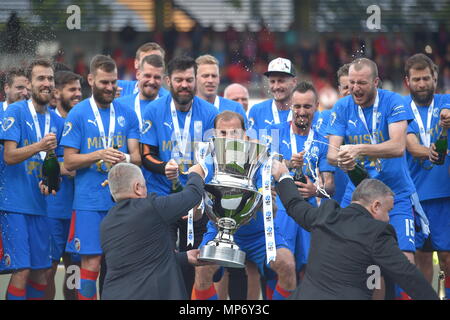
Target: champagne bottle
[176,186]
[51,172]
[441,147]
[357,174]
[441,285]
[299,176]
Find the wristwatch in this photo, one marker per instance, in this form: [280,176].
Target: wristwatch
[285,175]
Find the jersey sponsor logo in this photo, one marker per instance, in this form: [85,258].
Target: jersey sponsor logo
[93,122]
[146,126]
[30,125]
[7,123]
[288,144]
[121,121]
[67,128]
[353,122]
[168,125]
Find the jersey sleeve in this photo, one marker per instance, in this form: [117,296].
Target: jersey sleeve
[133,129]
[72,133]
[398,110]
[12,124]
[337,124]
[149,134]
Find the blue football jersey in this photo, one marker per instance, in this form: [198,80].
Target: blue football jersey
[158,131]
[21,192]
[128,102]
[345,122]
[432,182]
[81,132]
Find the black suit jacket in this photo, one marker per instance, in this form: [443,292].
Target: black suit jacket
[344,244]
[136,242]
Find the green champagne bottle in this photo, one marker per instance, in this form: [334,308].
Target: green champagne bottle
[299,176]
[176,186]
[357,174]
[51,172]
[441,147]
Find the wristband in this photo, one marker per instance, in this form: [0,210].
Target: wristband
[285,175]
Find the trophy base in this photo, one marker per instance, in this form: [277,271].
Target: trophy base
[224,256]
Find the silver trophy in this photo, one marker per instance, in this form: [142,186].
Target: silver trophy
[231,198]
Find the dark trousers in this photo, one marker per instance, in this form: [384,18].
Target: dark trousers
[199,229]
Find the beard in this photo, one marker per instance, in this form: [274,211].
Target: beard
[40,100]
[151,95]
[423,98]
[301,123]
[182,100]
[101,97]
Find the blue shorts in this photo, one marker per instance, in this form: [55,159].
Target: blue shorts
[298,239]
[84,234]
[26,242]
[59,231]
[253,245]
[401,217]
[438,214]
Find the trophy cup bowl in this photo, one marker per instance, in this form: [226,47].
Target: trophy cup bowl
[231,197]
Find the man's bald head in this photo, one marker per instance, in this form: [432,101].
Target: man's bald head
[238,93]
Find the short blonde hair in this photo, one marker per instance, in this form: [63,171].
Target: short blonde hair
[206,59]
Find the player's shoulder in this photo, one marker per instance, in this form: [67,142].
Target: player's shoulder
[230,103]
[279,126]
[18,106]
[125,100]
[262,105]
[205,105]
[390,96]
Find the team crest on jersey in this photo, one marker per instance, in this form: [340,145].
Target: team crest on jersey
[378,117]
[7,260]
[333,118]
[7,123]
[436,112]
[53,130]
[146,126]
[67,128]
[315,150]
[121,121]
[251,122]
[77,244]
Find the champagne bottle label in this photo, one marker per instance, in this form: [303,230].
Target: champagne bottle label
[299,176]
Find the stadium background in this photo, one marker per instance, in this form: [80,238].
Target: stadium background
[244,35]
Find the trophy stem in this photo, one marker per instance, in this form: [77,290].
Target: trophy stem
[223,250]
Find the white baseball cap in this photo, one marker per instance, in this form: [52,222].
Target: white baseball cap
[280,65]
